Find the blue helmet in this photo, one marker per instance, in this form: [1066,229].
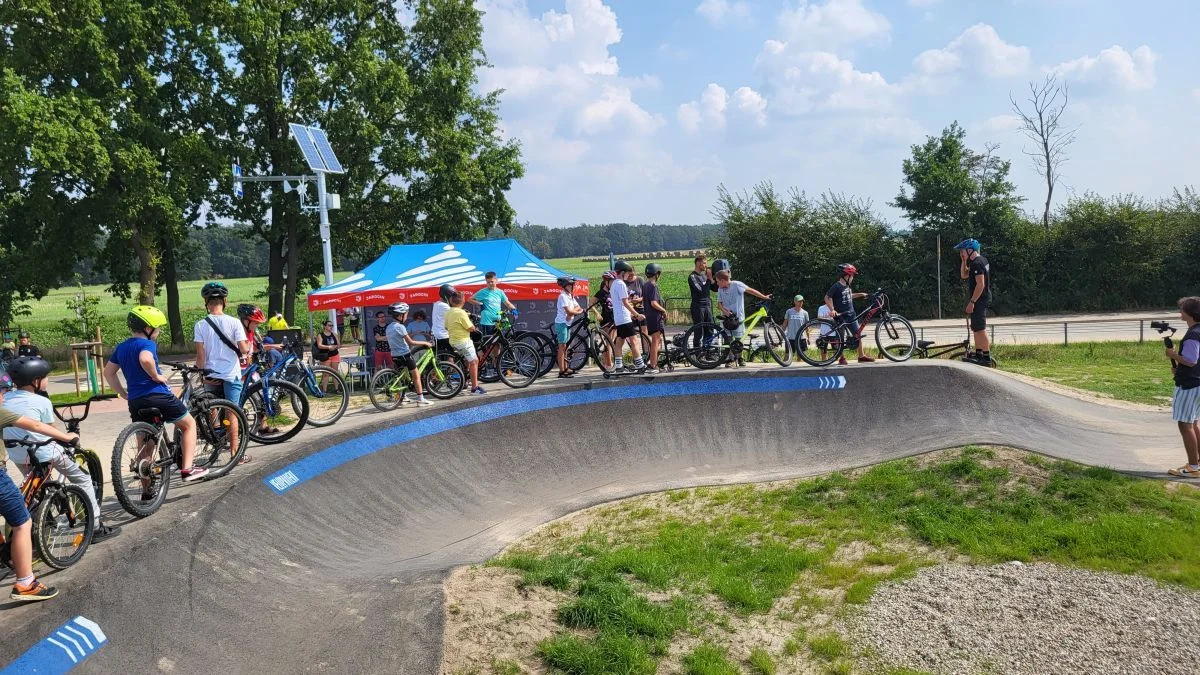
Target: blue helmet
[971,244]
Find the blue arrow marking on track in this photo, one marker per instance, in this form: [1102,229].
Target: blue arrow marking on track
[334,456]
[61,651]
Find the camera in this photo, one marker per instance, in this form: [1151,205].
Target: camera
[1163,327]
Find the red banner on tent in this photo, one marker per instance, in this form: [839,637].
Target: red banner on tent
[377,298]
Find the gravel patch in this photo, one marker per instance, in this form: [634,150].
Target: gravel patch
[1035,618]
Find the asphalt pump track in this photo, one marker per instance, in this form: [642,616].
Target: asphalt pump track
[332,558]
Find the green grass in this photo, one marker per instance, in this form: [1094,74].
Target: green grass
[672,284]
[761,662]
[1124,370]
[709,659]
[749,547]
[503,667]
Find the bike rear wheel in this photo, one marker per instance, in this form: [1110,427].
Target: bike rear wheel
[545,347]
[328,395]
[217,421]
[275,416]
[831,343]
[445,381]
[141,467]
[776,344]
[706,345]
[519,365]
[602,349]
[578,351]
[63,525]
[895,338]
[385,392]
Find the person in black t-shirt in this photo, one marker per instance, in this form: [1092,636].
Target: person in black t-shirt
[702,286]
[978,273]
[840,301]
[24,348]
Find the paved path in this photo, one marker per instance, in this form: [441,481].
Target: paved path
[328,553]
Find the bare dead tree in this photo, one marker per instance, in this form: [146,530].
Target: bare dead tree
[1042,125]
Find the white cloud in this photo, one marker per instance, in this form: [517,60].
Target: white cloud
[979,49]
[752,104]
[999,124]
[805,81]
[834,24]
[710,111]
[615,104]
[720,12]
[1113,67]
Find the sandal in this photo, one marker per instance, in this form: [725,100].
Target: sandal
[565,374]
[1184,471]
[245,459]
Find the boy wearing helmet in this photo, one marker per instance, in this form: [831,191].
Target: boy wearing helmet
[30,376]
[437,319]
[656,315]
[566,310]
[221,344]
[401,345]
[840,301]
[24,348]
[978,274]
[145,387]
[624,316]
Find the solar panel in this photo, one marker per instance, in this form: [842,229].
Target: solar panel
[307,147]
[332,165]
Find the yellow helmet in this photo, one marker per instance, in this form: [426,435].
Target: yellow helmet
[145,316]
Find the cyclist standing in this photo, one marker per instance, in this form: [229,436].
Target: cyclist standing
[840,301]
[731,299]
[401,345]
[702,286]
[566,309]
[492,300]
[978,273]
[458,328]
[438,320]
[624,316]
[30,375]
[221,346]
[656,315]
[24,348]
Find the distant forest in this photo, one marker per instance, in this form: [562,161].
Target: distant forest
[232,252]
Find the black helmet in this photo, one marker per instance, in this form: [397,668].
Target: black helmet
[214,289]
[652,269]
[25,370]
[719,265]
[564,282]
[23,334]
[446,291]
[622,267]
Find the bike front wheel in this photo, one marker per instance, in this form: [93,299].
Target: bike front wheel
[830,342]
[328,395]
[706,345]
[90,462]
[63,524]
[141,469]
[895,338]
[385,392]
[519,365]
[444,381]
[276,415]
[776,344]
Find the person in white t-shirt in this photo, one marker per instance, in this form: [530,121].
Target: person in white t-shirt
[823,312]
[437,320]
[567,309]
[222,347]
[624,316]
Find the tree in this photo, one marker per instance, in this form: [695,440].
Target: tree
[1042,125]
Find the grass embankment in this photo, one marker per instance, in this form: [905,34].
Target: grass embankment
[686,576]
[1128,371]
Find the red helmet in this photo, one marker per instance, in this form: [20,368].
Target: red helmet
[251,313]
[846,269]
[610,275]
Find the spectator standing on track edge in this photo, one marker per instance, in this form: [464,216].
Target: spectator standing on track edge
[383,353]
[566,310]
[493,301]
[221,346]
[656,315]
[702,286]
[978,274]
[1185,405]
[840,301]
[731,299]
[624,316]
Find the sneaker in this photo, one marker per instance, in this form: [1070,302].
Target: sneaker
[478,390]
[194,473]
[653,371]
[865,359]
[105,532]
[1185,471]
[34,592]
[424,401]
[842,361]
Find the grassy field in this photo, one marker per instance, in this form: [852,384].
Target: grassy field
[696,566]
[1128,371]
[672,285]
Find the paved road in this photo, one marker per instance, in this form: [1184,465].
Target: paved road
[1053,329]
[328,554]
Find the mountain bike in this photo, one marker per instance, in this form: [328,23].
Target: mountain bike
[503,358]
[440,378]
[894,335]
[955,351]
[276,410]
[328,395]
[587,340]
[144,455]
[63,517]
[709,345]
[88,460]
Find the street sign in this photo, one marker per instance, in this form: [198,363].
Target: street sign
[237,180]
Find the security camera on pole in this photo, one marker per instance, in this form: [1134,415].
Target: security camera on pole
[314,145]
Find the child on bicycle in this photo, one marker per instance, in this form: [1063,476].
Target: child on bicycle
[840,301]
[459,328]
[793,320]
[566,309]
[27,588]
[30,376]
[137,359]
[401,344]
[656,315]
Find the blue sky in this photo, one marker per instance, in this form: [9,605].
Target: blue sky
[636,110]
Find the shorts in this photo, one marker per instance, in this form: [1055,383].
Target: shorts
[849,320]
[230,390]
[404,361]
[627,330]
[979,316]
[655,324]
[353,322]
[485,329]
[465,349]
[1185,405]
[382,358]
[12,504]
[442,346]
[561,333]
[172,408]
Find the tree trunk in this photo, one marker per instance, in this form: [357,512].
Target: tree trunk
[274,271]
[171,281]
[1049,196]
[147,270]
[293,267]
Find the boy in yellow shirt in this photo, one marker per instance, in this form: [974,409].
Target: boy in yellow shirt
[459,325]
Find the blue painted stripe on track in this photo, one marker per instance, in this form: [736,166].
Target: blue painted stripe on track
[60,651]
[334,456]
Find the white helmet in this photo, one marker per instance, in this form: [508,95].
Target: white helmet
[398,309]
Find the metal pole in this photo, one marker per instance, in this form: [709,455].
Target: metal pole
[1065,341]
[326,249]
[1141,331]
[939,274]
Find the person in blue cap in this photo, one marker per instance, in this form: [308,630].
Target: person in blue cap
[978,273]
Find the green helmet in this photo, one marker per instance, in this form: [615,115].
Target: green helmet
[145,316]
[214,289]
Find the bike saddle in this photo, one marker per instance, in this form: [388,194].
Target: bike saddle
[149,414]
[925,344]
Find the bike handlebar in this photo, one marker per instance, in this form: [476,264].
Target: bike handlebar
[87,406]
[19,443]
[186,369]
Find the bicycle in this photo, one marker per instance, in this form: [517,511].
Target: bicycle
[263,396]
[955,351]
[442,379]
[88,460]
[63,517]
[503,358]
[894,335]
[144,457]
[326,404]
[709,345]
[586,339]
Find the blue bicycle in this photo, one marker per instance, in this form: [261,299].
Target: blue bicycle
[328,395]
[276,410]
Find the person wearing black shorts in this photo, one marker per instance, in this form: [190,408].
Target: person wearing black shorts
[656,315]
[624,315]
[978,273]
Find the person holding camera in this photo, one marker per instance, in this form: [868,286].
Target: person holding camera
[1185,405]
